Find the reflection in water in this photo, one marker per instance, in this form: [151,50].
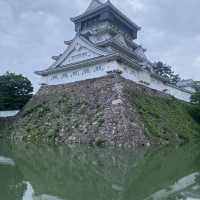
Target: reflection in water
[6,161]
[179,186]
[76,173]
[189,198]
[29,194]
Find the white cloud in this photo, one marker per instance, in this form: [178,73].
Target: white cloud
[137,5]
[198,38]
[32,31]
[6,16]
[197,61]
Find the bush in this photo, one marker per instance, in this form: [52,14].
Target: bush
[196,113]
[195,99]
[166,72]
[15,91]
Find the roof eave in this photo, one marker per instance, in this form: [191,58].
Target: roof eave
[110,57]
[68,42]
[40,73]
[123,15]
[118,46]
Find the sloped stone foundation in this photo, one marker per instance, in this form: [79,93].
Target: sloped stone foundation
[92,111]
[104,111]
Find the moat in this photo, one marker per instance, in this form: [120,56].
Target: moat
[41,172]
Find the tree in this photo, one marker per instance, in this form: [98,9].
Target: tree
[165,71]
[15,91]
[195,99]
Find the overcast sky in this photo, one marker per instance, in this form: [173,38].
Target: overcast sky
[31,31]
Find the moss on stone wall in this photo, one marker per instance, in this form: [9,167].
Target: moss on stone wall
[105,110]
[6,127]
[56,118]
[166,118]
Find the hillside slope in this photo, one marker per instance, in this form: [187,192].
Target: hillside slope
[108,110]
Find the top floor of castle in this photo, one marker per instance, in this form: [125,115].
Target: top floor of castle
[103,21]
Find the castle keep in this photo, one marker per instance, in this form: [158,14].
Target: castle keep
[105,42]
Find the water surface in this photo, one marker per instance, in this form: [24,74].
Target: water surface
[30,172]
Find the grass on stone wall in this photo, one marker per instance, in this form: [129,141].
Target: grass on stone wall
[165,118]
[6,126]
[44,120]
[56,118]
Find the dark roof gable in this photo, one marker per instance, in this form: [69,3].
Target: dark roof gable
[96,6]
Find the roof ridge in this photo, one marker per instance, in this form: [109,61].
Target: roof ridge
[93,5]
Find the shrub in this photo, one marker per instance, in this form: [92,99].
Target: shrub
[195,99]
[15,91]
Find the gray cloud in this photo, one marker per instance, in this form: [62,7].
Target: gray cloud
[32,31]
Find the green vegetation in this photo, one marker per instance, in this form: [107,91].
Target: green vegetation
[165,71]
[165,118]
[55,118]
[15,91]
[43,120]
[195,99]
[6,128]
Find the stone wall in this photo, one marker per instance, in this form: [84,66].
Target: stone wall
[108,110]
[92,111]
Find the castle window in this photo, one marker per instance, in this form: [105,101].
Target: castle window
[65,75]
[54,77]
[98,68]
[75,73]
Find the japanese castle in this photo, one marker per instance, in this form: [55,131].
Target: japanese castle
[105,41]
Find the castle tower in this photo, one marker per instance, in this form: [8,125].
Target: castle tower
[104,39]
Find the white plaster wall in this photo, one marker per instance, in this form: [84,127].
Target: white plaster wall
[83,73]
[11,113]
[191,89]
[98,32]
[79,55]
[100,37]
[144,78]
[96,71]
